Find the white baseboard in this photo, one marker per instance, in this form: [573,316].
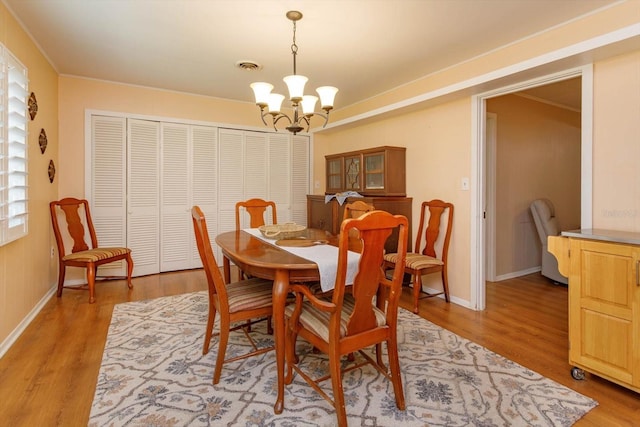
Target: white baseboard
[518,273]
[462,302]
[15,334]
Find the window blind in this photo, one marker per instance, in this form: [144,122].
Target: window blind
[13,148]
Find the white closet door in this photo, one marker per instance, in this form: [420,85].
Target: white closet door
[299,178]
[176,230]
[108,180]
[256,178]
[279,147]
[231,177]
[204,173]
[143,204]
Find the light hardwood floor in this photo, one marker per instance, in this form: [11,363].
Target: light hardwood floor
[48,377]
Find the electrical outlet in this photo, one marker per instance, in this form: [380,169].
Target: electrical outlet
[53,252]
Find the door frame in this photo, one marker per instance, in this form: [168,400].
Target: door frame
[482,197]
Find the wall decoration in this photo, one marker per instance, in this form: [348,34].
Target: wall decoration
[42,140]
[52,171]
[33,106]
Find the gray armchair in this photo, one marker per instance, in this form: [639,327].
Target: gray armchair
[546,224]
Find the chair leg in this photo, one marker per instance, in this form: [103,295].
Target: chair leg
[417,288]
[338,393]
[445,284]
[222,349]
[209,331]
[129,270]
[91,282]
[396,378]
[379,360]
[61,275]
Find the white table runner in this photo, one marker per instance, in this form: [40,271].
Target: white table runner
[325,256]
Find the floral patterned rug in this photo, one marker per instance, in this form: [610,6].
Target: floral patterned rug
[153,373]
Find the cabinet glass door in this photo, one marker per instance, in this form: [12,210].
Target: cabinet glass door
[374,171]
[352,173]
[334,175]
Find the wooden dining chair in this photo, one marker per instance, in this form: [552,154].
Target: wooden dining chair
[348,322]
[424,259]
[257,209]
[239,304]
[355,210]
[75,214]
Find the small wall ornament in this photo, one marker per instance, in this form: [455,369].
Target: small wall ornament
[33,106]
[42,140]
[51,171]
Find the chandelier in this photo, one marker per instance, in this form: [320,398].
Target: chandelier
[303,105]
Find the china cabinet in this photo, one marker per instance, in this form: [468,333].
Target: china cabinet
[604,302]
[378,171]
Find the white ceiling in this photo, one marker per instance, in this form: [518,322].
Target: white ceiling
[363,47]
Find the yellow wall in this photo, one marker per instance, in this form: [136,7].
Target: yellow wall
[27,271]
[616,146]
[438,141]
[438,156]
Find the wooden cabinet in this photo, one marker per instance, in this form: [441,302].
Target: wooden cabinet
[328,216]
[376,171]
[604,302]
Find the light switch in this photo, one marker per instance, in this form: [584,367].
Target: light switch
[464,184]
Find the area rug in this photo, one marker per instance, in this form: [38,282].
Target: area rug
[153,373]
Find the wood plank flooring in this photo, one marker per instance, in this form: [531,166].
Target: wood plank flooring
[48,377]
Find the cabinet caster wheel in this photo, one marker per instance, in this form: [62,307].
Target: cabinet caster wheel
[577,374]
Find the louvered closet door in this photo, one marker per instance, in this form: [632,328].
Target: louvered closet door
[279,149]
[231,177]
[299,178]
[176,230]
[243,173]
[204,174]
[107,181]
[143,207]
[255,172]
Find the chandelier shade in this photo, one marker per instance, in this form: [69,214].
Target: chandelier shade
[261,91]
[303,105]
[275,102]
[295,83]
[327,96]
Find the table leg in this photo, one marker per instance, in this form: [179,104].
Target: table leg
[226,267]
[280,291]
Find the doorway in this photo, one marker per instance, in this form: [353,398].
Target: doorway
[483,195]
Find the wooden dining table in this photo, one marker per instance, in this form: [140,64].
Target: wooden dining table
[259,258]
